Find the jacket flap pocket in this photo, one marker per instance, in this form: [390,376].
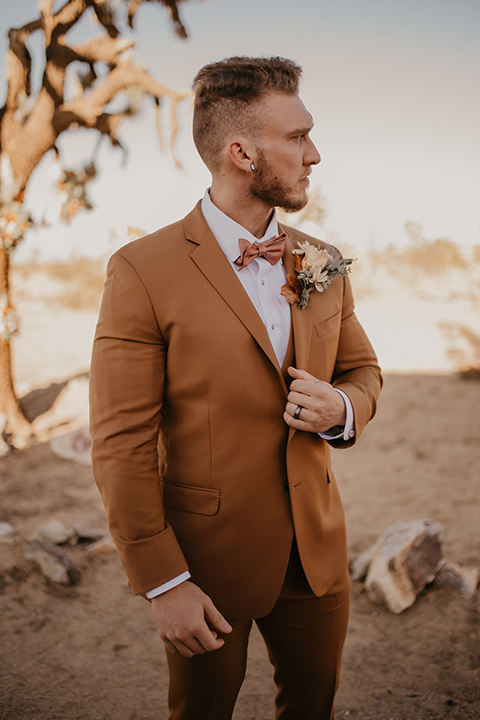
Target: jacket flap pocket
[204,501]
[326,326]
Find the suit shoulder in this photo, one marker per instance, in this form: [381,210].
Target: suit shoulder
[299,236]
[160,242]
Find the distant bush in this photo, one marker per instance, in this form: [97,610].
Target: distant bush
[464,349]
[78,282]
[433,257]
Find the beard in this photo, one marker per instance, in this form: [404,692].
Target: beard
[268,188]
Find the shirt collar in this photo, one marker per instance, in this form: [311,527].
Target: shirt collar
[227,231]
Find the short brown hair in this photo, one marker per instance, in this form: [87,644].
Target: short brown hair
[226,93]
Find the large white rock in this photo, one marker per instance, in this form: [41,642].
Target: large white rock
[69,411]
[5,529]
[407,557]
[462,578]
[53,562]
[54,531]
[4,446]
[73,446]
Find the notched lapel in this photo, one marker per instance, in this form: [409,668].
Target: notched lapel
[301,319]
[212,263]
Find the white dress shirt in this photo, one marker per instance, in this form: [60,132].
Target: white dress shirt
[262,283]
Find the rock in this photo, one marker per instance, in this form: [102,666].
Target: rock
[70,409]
[53,562]
[4,446]
[408,557]
[359,566]
[5,529]
[105,545]
[84,534]
[73,446]
[54,531]
[461,578]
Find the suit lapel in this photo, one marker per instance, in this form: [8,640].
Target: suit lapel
[212,263]
[301,319]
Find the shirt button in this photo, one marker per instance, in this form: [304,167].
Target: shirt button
[273,327]
[351,433]
[263,282]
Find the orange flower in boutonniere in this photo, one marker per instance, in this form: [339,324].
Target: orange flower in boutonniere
[314,271]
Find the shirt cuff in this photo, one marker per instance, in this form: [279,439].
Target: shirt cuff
[347,432]
[160,589]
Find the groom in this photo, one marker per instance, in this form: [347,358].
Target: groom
[214,402]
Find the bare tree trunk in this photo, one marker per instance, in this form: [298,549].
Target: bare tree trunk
[17,424]
[28,132]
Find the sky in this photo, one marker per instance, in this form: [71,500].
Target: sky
[394,88]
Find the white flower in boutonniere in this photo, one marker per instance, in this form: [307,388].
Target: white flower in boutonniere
[314,271]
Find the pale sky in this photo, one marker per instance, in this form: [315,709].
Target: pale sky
[393,85]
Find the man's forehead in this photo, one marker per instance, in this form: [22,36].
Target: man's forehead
[285,110]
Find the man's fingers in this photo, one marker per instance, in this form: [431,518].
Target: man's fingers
[296,398]
[215,618]
[193,642]
[304,412]
[300,374]
[187,620]
[170,647]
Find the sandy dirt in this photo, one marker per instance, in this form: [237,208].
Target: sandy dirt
[90,651]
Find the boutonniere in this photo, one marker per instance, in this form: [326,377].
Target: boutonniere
[315,269]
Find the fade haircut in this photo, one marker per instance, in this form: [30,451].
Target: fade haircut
[226,95]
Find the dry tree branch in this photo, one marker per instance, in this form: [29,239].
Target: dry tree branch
[174,129]
[68,15]
[19,67]
[108,124]
[158,123]
[172,7]
[48,21]
[105,16]
[86,109]
[100,49]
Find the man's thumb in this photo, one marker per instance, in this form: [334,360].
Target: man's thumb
[216,619]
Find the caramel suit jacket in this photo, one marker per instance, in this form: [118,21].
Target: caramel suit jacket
[195,464]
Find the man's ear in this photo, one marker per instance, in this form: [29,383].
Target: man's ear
[239,156]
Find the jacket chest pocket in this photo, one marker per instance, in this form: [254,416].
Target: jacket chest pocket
[329,325]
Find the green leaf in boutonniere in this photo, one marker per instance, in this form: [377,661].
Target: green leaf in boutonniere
[314,271]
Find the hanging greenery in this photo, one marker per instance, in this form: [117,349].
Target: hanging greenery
[15,220]
[72,191]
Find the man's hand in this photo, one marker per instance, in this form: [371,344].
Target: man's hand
[188,621]
[322,407]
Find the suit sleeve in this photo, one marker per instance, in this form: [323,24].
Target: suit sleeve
[126,396]
[356,372]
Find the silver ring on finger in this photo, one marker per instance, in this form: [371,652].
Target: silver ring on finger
[297,412]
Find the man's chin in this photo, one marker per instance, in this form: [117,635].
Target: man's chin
[293,205]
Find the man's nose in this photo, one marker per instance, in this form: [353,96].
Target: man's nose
[312,157]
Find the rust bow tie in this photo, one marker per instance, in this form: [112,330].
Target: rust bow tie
[271,250]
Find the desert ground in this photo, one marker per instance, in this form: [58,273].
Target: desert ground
[90,651]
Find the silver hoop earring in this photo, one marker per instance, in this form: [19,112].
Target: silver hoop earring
[252,167]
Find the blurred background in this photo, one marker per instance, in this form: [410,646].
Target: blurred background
[394,90]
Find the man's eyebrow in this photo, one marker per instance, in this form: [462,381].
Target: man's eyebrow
[302,131]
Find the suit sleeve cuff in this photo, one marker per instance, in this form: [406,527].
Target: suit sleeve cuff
[347,432]
[165,587]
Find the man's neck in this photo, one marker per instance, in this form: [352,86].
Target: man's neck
[253,215]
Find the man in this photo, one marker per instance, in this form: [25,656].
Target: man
[213,404]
